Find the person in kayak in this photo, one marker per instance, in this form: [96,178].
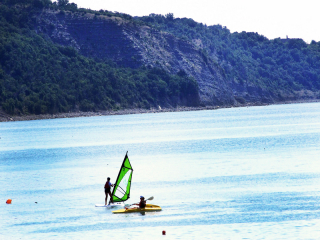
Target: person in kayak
[107,190]
[142,203]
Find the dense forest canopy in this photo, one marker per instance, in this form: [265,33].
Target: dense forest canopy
[38,76]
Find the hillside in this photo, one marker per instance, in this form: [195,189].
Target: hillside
[58,58]
[133,44]
[39,76]
[256,68]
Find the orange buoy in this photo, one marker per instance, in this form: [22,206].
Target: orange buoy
[163,232]
[8,201]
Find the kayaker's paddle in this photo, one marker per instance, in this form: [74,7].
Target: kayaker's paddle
[150,198]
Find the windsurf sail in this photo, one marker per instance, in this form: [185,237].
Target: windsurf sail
[121,188]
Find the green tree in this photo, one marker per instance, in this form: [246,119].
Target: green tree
[63,3]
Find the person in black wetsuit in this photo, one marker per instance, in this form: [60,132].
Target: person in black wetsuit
[142,203]
[107,190]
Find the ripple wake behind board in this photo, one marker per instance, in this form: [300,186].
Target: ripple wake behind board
[111,205]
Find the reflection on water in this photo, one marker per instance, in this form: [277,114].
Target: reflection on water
[239,173]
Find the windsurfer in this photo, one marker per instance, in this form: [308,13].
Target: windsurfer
[107,190]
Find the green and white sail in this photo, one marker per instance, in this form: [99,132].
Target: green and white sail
[121,189]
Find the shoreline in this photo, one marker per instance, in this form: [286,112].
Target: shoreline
[7,118]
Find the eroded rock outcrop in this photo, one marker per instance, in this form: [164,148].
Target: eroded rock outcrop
[132,45]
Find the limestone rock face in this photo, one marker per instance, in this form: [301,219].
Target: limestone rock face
[132,45]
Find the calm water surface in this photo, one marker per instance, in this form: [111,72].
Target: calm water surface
[241,173]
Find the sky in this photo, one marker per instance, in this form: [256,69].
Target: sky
[270,18]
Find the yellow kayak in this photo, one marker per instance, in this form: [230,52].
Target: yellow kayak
[148,208]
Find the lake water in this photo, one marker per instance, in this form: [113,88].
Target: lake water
[238,173]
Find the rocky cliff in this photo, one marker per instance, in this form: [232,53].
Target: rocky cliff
[133,45]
